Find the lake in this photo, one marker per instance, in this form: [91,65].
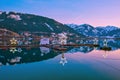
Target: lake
[76,63]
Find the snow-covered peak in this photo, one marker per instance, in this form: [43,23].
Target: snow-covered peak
[87,26]
[107,28]
[89,30]
[72,25]
[110,28]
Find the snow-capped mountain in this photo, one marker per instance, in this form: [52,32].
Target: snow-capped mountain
[28,22]
[106,31]
[84,29]
[108,28]
[82,49]
[89,30]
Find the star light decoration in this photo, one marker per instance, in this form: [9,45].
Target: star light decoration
[13,41]
[19,50]
[13,50]
[19,42]
[63,61]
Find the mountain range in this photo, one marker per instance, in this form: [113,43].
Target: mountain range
[100,31]
[18,22]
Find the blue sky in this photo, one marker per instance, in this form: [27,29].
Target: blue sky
[94,12]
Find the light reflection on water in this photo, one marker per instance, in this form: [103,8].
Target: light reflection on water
[76,63]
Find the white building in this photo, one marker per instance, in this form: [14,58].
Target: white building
[62,38]
[45,41]
[44,50]
[13,16]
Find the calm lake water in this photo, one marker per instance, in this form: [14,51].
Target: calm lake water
[80,63]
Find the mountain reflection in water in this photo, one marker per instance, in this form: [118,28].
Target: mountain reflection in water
[80,62]
[11,56]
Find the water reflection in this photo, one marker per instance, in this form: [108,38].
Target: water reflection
[105,54]
[23,55]
[95,62]
[44,50]
[63,60]
[18,55]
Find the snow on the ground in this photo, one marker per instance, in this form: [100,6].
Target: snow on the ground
[49,26]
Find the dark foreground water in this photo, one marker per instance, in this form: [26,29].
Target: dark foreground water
[46,64]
